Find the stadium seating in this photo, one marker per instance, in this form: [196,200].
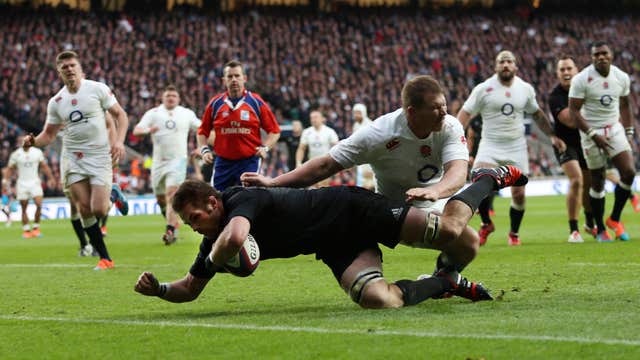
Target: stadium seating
[296,62]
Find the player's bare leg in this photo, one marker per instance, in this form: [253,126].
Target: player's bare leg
[26,228]
[169,236]
[93,202]
[35,232]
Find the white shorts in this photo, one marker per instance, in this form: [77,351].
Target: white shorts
[428,206]
[168,173]
[95,167]
[30,190]
[511,153]
[597,158]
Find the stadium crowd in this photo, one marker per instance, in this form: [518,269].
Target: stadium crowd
[296,62]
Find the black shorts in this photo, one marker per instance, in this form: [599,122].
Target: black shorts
[375,220]
[572,153]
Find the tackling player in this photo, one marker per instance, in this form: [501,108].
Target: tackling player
[418,154]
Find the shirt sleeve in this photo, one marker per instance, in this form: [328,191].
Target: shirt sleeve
[107,98]
[304,138]
[455,144]
[556,105]
[577,90]
[267,120]
[626,85]
[198,268]
[12,160]
[356,149]
[146,120]
[473,103]
[532,104]
[207,122]
[334,137]
[52,113]
[195,122]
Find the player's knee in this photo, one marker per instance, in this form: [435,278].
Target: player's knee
[370,291]
[450,230]
[575,183]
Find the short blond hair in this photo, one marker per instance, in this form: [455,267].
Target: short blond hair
[65,55]
[414,90]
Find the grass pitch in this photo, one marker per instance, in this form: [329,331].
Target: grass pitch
[554,300]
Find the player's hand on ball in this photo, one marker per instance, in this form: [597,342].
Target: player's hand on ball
[147,284]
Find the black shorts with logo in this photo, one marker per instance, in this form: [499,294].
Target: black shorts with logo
[572,153]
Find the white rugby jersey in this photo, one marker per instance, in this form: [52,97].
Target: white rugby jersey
[601,94]
[171,139]
[27,163]
[502,108]
[359,125]
[399,159]
[82,114]
[318,142]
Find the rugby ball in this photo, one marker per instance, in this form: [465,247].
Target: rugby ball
[245,262]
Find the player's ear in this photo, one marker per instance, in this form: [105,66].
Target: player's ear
[214,202]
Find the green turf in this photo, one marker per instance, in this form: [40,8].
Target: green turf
[555,300]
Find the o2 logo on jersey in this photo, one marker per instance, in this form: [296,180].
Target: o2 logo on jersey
[427,173]
[76,116]
[507,109]
[606,100]
[170,124]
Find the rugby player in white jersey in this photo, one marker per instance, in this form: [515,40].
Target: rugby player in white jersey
[364,173]
[599,106]
[502,100]
[169,125]
[27,160]
[418,154]
[80,106]
[316,141]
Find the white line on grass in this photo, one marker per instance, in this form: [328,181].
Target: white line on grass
[549,338]
[623,264]
[73,265]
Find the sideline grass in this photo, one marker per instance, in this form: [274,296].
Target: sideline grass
[555,300]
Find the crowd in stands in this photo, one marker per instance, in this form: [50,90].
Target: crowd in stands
[296,61]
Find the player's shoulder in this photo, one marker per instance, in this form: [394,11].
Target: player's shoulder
[92,84]
[557,90]
[620,74]
[55,99]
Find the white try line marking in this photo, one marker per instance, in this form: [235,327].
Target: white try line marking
[319,330]
[87,265]
[623,264]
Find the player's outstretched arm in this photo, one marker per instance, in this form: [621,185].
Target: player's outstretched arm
[455,176]
[46,137]
[308,174]
[183,290]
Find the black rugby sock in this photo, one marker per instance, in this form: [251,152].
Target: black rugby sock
[415,292]
[516,219]
[476,195]
[597,206]
[621,197]
[95,236]
[79,230]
